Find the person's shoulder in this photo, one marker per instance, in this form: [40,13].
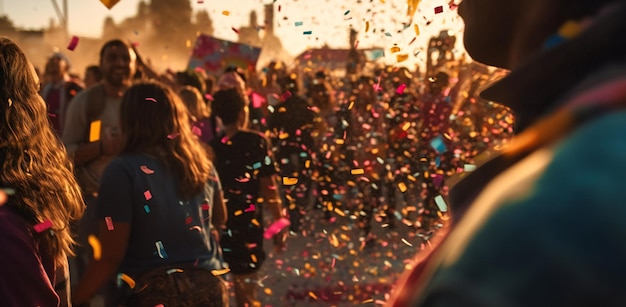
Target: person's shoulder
[12,223]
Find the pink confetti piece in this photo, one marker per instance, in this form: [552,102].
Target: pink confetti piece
[276,227]
[146,170]
[73,43]
[400,89]
[41,227]
[235,30]
[173,135]
[206,207]
[197,131]
[151,99]
[147,195]
[252,208]
[285,95]
[439,9]
[109,222]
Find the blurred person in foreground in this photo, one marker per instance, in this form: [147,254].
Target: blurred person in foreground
[43,196]
[542,223]
[248,172]
[160,206]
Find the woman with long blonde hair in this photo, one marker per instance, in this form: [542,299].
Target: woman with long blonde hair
[40,197]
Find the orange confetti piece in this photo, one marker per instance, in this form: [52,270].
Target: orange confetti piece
[225,13]
[289,181]
[109,3]
[129,281]
[367,26]
[94,130]
[417,29]
[220,272]
[357,171]
[95,246]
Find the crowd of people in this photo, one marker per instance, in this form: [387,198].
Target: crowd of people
[154,186]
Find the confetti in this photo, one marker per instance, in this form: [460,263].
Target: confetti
[94,130]
[109,3]
[289,181]
[235,30]
[73,43]
[417,29]
[299,23]
[220,272]
[225,13]
[307,32]
[151,99]
[95,247]
[147,195]
[276,227]
[346,13]
[439,9]
[357,171]
[441,203]
[109,222]
[438,145]
[43,226]
[129,281]
[400,89]
[367,26]
[469,167]
[173,135]
[146,170]
[146,208]
[160,249]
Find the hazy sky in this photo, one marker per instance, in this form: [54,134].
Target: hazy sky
[328,20]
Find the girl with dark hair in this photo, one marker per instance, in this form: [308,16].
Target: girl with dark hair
[160,204]
[44,197]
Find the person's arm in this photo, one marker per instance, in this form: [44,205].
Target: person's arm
[113,244]
[74,130]
[219,216]
[114,209]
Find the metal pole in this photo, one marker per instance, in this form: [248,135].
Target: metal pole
[66,17]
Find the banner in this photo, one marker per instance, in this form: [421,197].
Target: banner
[214,55]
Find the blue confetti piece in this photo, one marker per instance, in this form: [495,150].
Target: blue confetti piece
[268,160]
[437,161]
[398,215]
[438,145]
[160,249]
[441,203]
[469,167]
[307,32]
[299,23]
[257,165]
[346,13]
[387,34]
[147,208]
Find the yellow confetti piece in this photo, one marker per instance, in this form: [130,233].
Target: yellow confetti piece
[417,29]
[402,57]
[406,126]
[253,258]
[283,135]
[333,240]
[238,212]
[220,272]
[289,181]
[311,294]
[357,171]
[255,222]
[109,3]
[367,26]
[267,291]
[94,130]
[95,246]
[394,49]
[402,187]
[225,13]
[339,212]
[127,280]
